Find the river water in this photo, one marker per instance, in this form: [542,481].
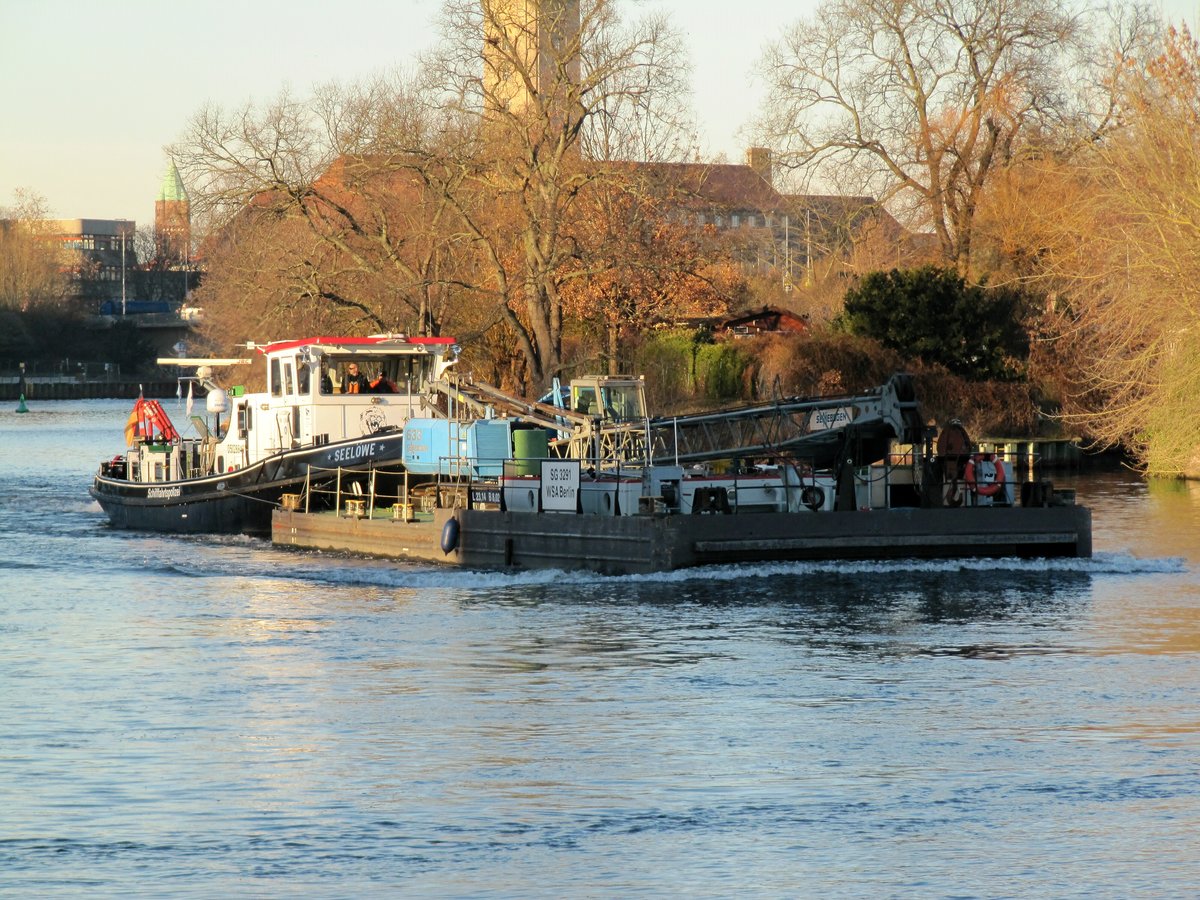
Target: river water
[197,717]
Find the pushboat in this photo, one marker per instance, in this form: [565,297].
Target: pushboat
[333,406]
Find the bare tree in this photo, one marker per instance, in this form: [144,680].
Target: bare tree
[328,165]
[532,85]
[153,275]
[920,102]
[449,199]
[643,111]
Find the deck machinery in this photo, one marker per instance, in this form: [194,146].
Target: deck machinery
[602,420]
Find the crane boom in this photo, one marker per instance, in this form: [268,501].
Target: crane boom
[826,431]
[821,430]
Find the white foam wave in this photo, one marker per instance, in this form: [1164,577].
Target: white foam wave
[348,572]
[375,573]
[1128,564]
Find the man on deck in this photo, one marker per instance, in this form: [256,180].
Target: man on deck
[354,382]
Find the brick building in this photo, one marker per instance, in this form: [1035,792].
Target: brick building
[172,220]
[773,232]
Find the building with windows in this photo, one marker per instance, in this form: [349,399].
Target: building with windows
[531,53]
[98,254]
[101,259]
[771,232]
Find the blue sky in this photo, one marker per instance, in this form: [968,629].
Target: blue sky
[90,93]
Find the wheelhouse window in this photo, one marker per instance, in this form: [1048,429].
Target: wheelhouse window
[383,375]
[411,370]
[302,377]
[275,378]
[330,380]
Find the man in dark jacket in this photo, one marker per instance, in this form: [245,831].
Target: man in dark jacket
[355,382]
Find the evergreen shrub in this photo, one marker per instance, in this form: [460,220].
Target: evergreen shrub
[933,314]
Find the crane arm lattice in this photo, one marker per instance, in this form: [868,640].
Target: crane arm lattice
[823,431]
[820,430]
[483,399]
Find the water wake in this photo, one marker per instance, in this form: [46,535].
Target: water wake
[351,572]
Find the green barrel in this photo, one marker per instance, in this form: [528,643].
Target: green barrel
[530,447]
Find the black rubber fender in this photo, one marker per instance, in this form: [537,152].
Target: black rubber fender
[450,535]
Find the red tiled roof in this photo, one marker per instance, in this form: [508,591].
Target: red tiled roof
[714,184]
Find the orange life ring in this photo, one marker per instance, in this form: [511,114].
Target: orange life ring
[985,490]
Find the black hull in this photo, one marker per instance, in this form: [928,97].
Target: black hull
[642,544]
[238,502]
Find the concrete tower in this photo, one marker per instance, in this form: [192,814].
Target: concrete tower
[526,43]
[172,219]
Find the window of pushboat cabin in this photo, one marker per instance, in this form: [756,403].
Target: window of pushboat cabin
[287,378]
[276,380]
[408,372]
[302,376]
[243,419]
[399,373]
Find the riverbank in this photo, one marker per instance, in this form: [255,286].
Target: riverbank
[50,387]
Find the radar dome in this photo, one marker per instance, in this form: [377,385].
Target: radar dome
[217,401]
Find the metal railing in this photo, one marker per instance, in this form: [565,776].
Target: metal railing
[366,493]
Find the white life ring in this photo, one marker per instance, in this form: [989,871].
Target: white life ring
[985,489]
